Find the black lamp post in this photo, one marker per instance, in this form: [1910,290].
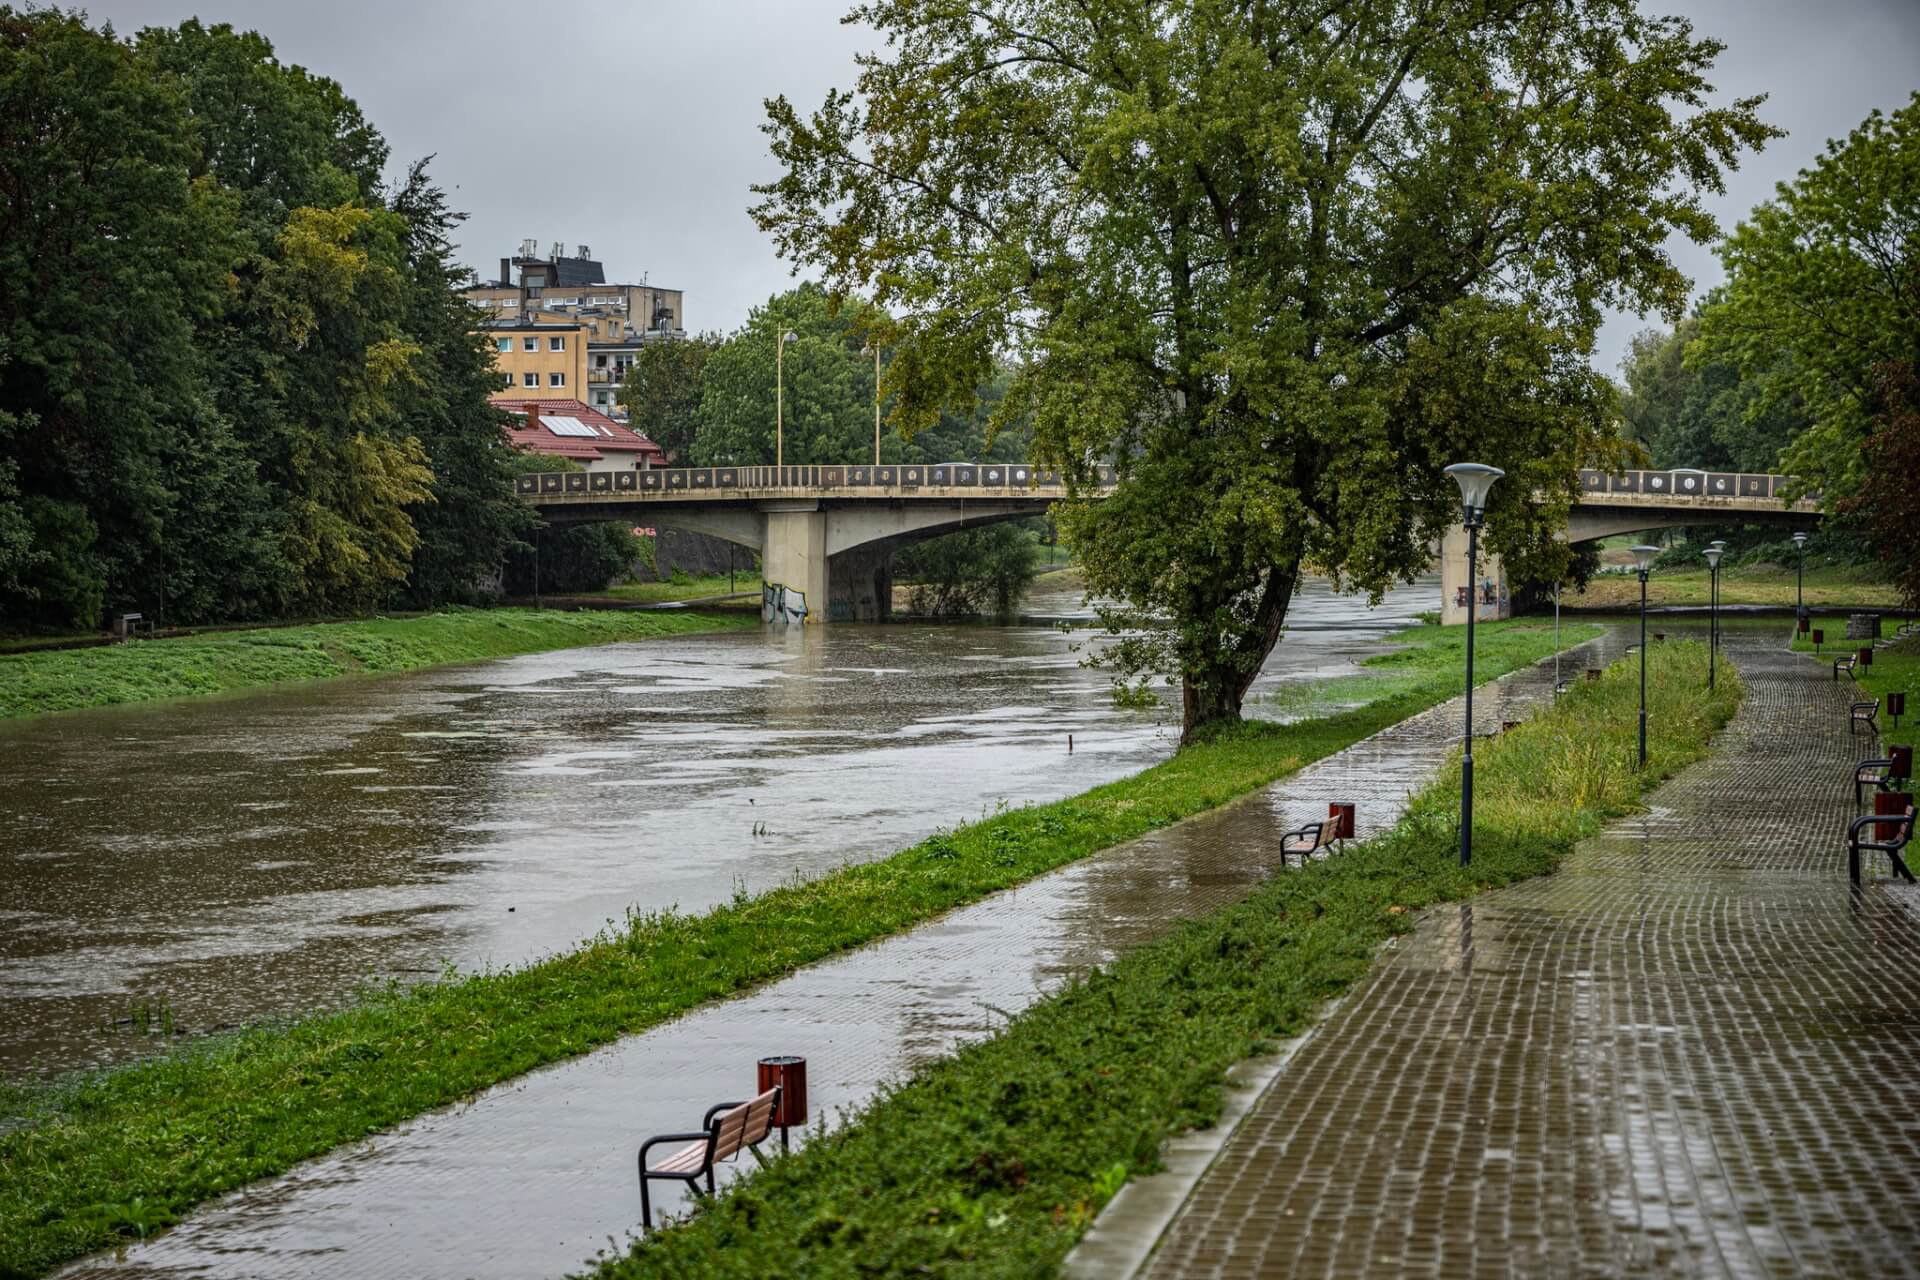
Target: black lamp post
[1643,557]
[1799,580]
[1713,553]
[1475,481]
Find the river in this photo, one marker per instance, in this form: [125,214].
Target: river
[172,868]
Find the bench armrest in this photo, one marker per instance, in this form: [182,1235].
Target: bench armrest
[1309,832]
[1853,828]
[705,1135]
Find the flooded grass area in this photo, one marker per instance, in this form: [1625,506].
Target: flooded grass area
[143,670]
[992,1162]
[96,1157]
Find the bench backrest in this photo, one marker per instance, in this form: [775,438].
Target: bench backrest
[1329,832]
[744,1125]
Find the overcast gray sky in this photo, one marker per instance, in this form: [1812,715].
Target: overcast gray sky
[633,127]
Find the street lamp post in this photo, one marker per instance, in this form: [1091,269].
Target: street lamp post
[873,350]
[1475,481]
[1799,579]
[779,400]
[1643,557]
[1713,553]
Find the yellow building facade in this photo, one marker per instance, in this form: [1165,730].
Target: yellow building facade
[542,355]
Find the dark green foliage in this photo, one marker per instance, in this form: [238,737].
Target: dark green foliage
[992,1162]
[661,392]
[223,344]
[1702,412]
[573,558]
[975,571]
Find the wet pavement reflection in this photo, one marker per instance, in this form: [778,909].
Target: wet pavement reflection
[534,1176]
[201,863]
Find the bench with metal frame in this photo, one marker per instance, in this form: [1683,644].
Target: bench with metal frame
[1309,840]
[1875,775]
[1845,664]
[730,1127]
[1864,713]
[1891,845]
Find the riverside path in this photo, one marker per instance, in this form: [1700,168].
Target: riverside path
[1689,1052]
[534,1176]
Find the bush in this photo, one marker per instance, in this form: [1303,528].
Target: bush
[975,571]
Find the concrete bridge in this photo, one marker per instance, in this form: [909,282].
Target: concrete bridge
[826,535]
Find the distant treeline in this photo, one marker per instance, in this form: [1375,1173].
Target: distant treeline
[236,378]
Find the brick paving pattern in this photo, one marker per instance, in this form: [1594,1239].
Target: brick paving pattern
[534,1176]
[1693,1051]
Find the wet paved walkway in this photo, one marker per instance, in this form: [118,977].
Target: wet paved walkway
[1691,1052]
[534,1177]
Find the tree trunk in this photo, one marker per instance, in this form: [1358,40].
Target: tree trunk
[1214,694]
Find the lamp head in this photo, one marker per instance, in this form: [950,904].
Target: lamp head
[1643,558]
[1712,554]
[1718,544]
[868,350]
[1476,482]
[789,336]
[1800,539]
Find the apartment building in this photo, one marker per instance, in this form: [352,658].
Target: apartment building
[614,320]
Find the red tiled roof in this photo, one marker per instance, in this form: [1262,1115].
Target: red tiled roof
[609,438]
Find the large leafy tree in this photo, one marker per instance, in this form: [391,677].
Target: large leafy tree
[1888,504]
[1705,412]
[1827,275]
[661,391]
[1280,261]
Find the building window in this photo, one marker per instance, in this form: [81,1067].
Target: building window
[556,379]
[529,344]
[529,379]
[556,344]
[599,362]
[503,344]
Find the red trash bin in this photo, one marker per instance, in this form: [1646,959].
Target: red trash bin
[790,1073]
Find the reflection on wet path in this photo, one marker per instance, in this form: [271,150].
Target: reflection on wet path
[1689,1052]
[534,1176]
[228,858]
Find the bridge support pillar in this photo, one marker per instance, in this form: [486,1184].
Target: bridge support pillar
[794,554]
[860,584]
[1488,591]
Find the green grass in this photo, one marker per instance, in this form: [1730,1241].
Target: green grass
[991,1163]
[684,588]
[1896,667]
[100,1157]
[1436,652]
[32,683]
[1741,584]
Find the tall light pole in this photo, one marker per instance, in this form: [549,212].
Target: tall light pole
[779,400]
[1643,557]
[1713,553]
[1799,579]
[873,350]
[1475,481]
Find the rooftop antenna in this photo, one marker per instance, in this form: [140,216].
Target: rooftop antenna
[528,246]
[559,249]
[583,252]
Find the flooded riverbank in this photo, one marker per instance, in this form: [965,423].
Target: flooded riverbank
[178,867]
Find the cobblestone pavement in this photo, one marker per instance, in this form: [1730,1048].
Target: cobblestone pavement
[534,1176]
[1691,1052]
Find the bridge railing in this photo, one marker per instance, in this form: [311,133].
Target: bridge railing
[1686,483]
[665,480]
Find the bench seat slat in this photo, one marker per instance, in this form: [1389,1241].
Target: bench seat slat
[687,1159]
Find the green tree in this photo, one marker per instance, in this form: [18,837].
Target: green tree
[829,386]
[1823,292]
[661,391]
[1278,262]
[974,571]
[1702,412]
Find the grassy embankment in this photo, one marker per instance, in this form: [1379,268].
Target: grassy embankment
[1895,668]
[684,588]
[110,1155]
[63,680]
[1761,584]
[992,1162]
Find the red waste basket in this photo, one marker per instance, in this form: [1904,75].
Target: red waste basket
[1894,802]
[1865,656]
[790,1073]
[1341,816]
[1902,758]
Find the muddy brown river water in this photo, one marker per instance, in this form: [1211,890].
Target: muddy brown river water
[172,868]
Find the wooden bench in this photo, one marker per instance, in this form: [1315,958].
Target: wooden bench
[1845,664]
[1864,713]
[729,1128]
[1309,840]
[1858,841]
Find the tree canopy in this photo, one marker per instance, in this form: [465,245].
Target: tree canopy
[1279,262]
[1703,412]
[1823,295]
[236,378]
